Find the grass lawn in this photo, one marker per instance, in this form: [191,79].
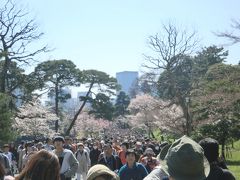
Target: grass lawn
[233,162]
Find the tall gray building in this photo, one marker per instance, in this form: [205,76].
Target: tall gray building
[127,80]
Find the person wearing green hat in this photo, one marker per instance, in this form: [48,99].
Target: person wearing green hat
[184,160]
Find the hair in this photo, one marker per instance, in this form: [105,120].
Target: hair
[130,151]
[125,144]
[107,145]
[47,140]
[42,165]
[210,147]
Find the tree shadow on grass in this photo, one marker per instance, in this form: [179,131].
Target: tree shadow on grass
[233,163]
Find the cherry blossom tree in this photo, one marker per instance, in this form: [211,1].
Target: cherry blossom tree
[87,125]
[35,120]
[151,112]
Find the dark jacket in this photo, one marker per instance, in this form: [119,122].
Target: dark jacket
[113,162]
[217,173]
[94,155]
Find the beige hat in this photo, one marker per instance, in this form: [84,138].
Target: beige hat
[98,170]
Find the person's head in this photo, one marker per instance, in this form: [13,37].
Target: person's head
[95,145]
[124,146]
[58,142]
[68,140]
[39,145]
[107,149]
[149,152]
[101,172]
[80,146]
[138,144]
[23,143]
[29,146]
[12,145]
[185,160]
[41,166]
[130,156]
[211,148]
[48,141]
[6,148]
[147,141]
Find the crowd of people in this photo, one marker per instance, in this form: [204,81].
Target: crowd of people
[113,159]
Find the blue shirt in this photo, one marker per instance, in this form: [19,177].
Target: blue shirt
[137,172]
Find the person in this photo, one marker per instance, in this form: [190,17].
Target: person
[94,154]
[148,144]
[148,160]
[39,146]
[138,150]
[5,164]
[42,165]
[101,172]
[10,156]
[48,146]
[13,150]
[158,173]
[68,162]
[122,152]
[84,162]
[185,160]
[113,162]
[21,152]
[68,143]
[3,174]
[132,170]
[211,149]
[29,151]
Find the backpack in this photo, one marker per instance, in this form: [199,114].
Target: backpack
[83,152]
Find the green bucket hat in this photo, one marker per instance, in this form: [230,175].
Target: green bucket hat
[185,160]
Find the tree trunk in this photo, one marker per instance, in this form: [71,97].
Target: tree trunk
[56,99]
[185,108]
[4,73]
[79,111]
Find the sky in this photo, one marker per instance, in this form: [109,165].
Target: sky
[111,35]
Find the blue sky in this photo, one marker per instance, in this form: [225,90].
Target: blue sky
[111,35]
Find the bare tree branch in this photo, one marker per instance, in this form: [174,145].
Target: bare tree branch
[232,37]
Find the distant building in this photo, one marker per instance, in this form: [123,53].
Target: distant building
[128,81]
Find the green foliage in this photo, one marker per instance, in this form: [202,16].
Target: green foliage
[177,80]
[102,107]
[54,75]
[218,96]
[6,133]
[233,160]
[101,80]
[15,80]
[207,57]
[121,104]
